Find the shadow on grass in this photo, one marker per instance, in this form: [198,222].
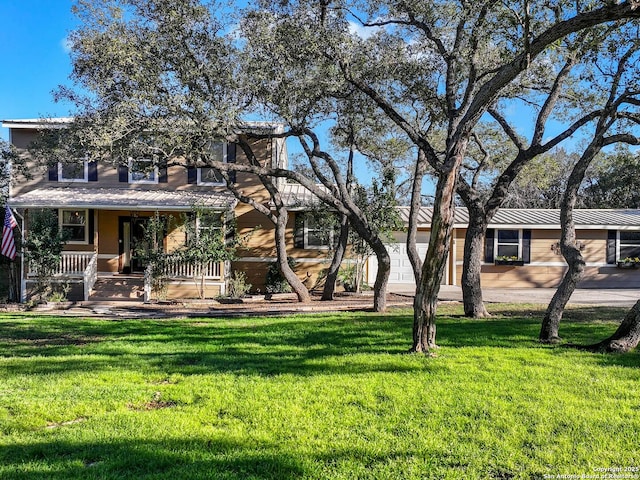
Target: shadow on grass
[300,345]
[176,459]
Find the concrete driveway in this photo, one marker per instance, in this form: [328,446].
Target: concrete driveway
[609,297]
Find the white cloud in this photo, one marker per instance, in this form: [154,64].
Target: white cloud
[360,31]
[66,44]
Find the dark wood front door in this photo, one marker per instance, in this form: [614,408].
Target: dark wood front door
[133,244]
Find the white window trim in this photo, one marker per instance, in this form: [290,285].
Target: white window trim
[86,224]
[495,242]
[84,179]
[315,247]
[200,227]
[153,181]
[619,244]
[213,184]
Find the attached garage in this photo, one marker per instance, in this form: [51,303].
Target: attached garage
[401,270]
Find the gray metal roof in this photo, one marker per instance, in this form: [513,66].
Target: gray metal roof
[121,198]
[295,196]
[539,218]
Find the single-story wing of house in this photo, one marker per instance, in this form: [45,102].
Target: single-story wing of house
[522,248]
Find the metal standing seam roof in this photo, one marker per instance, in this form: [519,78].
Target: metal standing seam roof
[296,197]
[121,198]
[539,218]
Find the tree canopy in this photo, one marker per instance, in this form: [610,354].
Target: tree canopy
[432,74]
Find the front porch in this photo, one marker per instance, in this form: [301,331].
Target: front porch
[77,273]
[115,235]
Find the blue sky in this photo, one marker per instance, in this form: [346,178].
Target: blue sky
[34,59]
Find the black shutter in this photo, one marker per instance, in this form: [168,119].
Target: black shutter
[163,176]
[123,173]
[526,246]
[53,173]
[93,171]
[298,235]
[192,175]
[612,238]
[92,226]
[488,245]
[231,158]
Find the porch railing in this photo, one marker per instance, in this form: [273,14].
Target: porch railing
[174,268]
[72,264]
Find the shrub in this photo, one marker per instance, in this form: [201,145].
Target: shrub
[238,286]
[275,281]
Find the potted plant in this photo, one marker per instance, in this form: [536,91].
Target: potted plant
[628,262]
[506,260]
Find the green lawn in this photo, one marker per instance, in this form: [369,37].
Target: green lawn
[319,396]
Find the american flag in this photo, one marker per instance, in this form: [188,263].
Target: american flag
[8,244]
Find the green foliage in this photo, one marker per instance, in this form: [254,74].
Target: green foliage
[313,397]
[542,181]
[351,278]
[209,240]
[237,286]
[613,182]
[44,243]
[275,281]
[10,160]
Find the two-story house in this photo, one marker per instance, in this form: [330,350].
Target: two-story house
[105,208]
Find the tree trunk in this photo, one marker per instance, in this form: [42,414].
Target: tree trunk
[290,276]
[382,277]
[416,204]
[473,254]
[425,302]
[424,325]
[549,332]
[338,255]
[625,338]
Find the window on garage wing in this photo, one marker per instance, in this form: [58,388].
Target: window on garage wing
[74,223]
[508,243]
[628,244]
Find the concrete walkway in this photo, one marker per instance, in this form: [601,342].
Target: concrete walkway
[608,297]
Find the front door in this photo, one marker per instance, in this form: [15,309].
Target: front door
[133,244]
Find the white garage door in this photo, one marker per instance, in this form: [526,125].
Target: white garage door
[401,271]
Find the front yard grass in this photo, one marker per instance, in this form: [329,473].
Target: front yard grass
[317,396]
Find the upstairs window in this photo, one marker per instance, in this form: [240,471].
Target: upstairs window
[143,170]
[209,176]
[77,171]
[74,223]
